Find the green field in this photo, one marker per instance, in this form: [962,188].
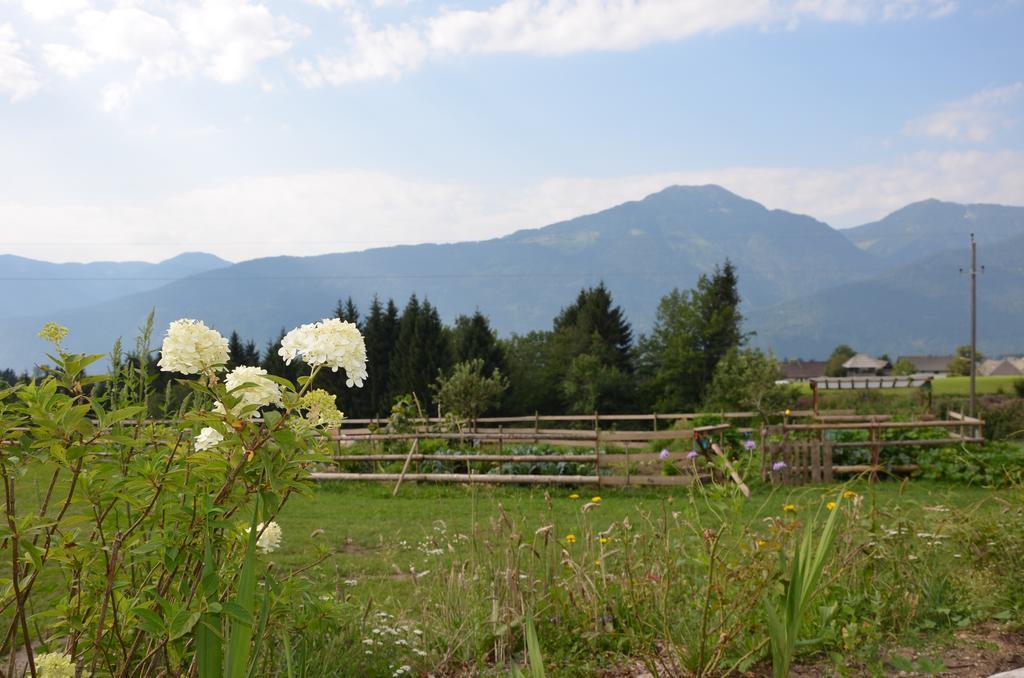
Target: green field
[403,555]
[951,386]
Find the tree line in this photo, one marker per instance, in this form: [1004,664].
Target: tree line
[589,360]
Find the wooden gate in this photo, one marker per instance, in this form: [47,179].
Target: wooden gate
[797,463]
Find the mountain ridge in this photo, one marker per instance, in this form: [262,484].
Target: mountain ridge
[641,249]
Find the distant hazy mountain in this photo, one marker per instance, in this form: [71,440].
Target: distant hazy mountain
[920,308]
[33,287]
[806,287]
[924,228]
[640,249]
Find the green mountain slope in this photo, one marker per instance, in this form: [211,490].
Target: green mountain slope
[34,287]
[641,250]
[920,308]
[931,226]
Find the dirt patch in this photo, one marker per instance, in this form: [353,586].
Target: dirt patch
[978,652]
[351,548]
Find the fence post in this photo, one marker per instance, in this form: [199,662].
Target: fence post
[597,454]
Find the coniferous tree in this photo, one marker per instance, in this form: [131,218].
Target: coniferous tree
[693,331]
[593,325]
[274,363]
[348,312]
[473,338]
[421,351]
[589,358]
[380,334]
[250,354]
[531,389]
[235,349]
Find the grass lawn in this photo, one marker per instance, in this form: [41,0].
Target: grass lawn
[377,540]
[946,386]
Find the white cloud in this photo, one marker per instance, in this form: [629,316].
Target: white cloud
[232,36]
[48,10]
[225,40]
[18,78]
[68,61]
[977,118]
[556,27]
[339,211]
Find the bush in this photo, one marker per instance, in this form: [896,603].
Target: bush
[993,465]
[1004,417]
[156,535]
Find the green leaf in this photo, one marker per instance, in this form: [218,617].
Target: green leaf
[209,645]
[237,612]
[533,651]
[240,634]
[183,623]
[148,621]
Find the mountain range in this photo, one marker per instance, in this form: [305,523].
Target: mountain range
[890,286]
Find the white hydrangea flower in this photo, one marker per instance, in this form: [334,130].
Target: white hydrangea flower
[54,665]
[207,438]
[331,342]
[270,540]
[191,347]
[260,391]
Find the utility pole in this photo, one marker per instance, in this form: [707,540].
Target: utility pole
[974,321]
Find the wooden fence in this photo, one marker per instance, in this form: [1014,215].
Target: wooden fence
[803,442]
[796,453]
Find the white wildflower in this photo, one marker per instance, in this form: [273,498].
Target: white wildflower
[331,342]
[207,438]
[191,347]
[351,582]
[54,665]
[270,539]
[251,386]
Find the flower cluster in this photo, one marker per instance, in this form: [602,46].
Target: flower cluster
[331,342]
[321,408]
[53,333]
[251,386]
[270,539]
[54,665]
[191,347]
[209,437]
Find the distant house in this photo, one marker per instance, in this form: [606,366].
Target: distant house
[802,370]
[864,365]
[929,364]
[1006,367]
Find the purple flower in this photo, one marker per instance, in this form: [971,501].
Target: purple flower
[663,455]
[749,445]
[692,454]
[779,465]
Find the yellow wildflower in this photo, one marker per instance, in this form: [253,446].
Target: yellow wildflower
[570,539]
[831,505]
[849,494]
[789,508]
[596,500]
[574,496]
[761,543]
[603,540]
[787,411]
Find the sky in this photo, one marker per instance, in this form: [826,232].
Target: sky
[140,129]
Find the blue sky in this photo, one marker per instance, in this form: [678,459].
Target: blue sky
[138,129]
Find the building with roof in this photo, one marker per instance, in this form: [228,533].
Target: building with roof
[1007,367]
[802,370]
[929,364]
[863,364]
